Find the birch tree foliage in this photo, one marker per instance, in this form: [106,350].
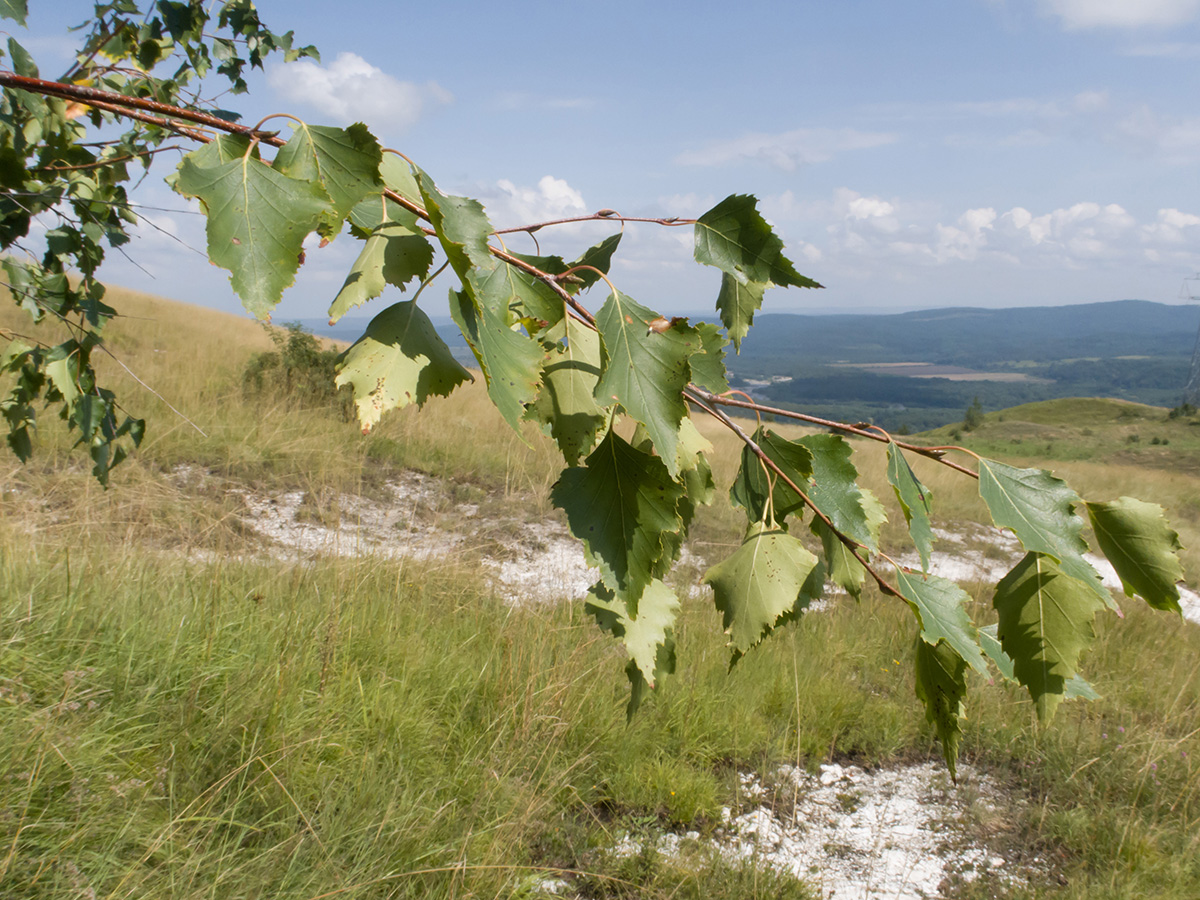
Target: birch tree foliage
[556,342]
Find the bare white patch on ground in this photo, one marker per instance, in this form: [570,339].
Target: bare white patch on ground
[898,833]
[534,562]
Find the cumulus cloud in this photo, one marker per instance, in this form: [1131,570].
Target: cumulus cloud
[551,198]
[351,89]
[786,151]
[1080,14]
[1085,235]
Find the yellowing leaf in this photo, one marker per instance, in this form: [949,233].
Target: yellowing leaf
[257,219]
[759,584]
[399,360]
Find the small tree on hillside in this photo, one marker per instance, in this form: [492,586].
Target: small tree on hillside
[974,416]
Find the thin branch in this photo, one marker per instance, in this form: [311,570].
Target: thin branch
[852,545]
[604,215]
[937,454]
[93,96]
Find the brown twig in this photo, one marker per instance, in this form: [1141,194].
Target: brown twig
[603,215]
[937,454]
[852,545]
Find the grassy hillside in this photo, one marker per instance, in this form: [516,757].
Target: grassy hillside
[183,715]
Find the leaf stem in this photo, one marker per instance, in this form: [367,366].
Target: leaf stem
[935,453]
[852,545]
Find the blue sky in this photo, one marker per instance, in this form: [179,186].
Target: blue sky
[911,155]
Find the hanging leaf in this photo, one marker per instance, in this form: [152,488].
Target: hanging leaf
[941,684]
[940,607]
[1045,625]
[708,366]
[735,238]
[646,370]
[344,161]
[1040,510]
[915,502]
[646,635]
[566,405]
[833,488]
[511,360]
[759,584]
[516,294]
[842,568]
[399,360]
[393,254]
[1135,537]
[257,219]
[462,228]
[621,504]
[14,9]
[752,484]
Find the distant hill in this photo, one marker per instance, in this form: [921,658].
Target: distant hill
[970,336]
[845,366]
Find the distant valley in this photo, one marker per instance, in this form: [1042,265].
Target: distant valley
[920,370]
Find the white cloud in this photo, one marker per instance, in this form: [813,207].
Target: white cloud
[351,89]
[869,232]
[1080,14]
[786,151]
[552,198]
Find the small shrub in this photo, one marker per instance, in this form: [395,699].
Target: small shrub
[297,370]
[973,417]
[1133,439]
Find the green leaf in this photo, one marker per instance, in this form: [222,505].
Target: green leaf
[645,635]
[517,294]
[344,161]
[63,373]
[752,484]
[941,685]
[511,361]
[399,360]
[708,366]
[1045,625]
[393,254]
[16,10]
[257,221]
[939,607]
[566,405]
[833,490]
[759,584]
[915,501]
[621,505]
[1039,509]
[462,228]
[1142,547]
[842,568]
[598,256]
[735,238]
[646,370]
[990,642]
[1078,689]
[398,176]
